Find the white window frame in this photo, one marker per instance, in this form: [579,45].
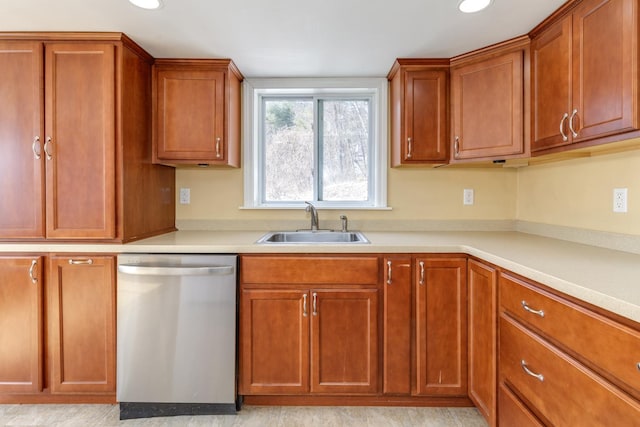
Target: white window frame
[253,92]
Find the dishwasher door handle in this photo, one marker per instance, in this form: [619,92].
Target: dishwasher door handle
[176,270]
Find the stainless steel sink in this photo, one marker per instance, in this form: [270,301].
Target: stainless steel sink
[313,237]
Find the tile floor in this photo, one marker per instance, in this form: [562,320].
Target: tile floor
[250,416]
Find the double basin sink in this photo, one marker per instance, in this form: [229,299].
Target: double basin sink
[313,237]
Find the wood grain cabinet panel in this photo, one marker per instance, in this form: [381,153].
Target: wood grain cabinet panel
[344,341]
[196,112]
[588,336]
[274,341]
[557,387]
[397,323]
[21,133]
[21,327]
[419,114]
[80,140]
[584,80]
[81,324]
[483,311]
[488,93]
[75,130]
[311,326]
[441,326]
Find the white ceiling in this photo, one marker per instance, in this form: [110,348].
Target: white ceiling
[290,38]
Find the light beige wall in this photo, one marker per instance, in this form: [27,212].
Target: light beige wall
[413,194]
[579,193]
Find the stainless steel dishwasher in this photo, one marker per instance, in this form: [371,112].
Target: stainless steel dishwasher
[176,335]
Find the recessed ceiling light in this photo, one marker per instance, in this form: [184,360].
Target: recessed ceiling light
[471,6]
[146,4]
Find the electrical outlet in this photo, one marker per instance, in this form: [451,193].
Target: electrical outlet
[620,200]
[185,196]
[467,196]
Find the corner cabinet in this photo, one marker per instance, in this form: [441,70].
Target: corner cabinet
[489,103]
[57,316]
[308,324]
[584,76]
[74,126]
[419,119]
[196,112]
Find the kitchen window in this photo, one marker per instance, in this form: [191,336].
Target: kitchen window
[316,140]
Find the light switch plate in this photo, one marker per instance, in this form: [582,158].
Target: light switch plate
[467,196]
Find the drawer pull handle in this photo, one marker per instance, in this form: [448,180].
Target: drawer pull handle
[421,273]
[409,148]
[530,372]
[80,261]
[389,280]
[573,115]
[531,310]
[304,305]
[638,366]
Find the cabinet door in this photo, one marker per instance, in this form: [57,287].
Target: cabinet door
[80,140]
[274,341]
[344,341]
[20,324]
[190,115]
[396,340]
[551,86]
[488,107]
[513,412]
[605,85]
[81,324]
[425,118]
[21,127]
[441,326]
[483,338]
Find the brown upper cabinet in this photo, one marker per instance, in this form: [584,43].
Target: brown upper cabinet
[489,98]
[584,75]
[419,99]
[196,112]
[75,134]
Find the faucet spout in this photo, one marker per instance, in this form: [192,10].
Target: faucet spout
[314,216]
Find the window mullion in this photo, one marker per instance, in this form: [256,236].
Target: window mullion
[317,147]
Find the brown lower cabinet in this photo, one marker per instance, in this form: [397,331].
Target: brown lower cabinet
[58,335]
[308,325]
[562,363]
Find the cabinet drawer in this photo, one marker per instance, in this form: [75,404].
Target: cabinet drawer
[609,347]
[309,270]
[564,392]
[513,412]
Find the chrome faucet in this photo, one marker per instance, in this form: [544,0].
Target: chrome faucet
[343,219]
[314,216]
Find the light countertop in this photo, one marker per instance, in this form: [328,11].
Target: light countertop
[603,277]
